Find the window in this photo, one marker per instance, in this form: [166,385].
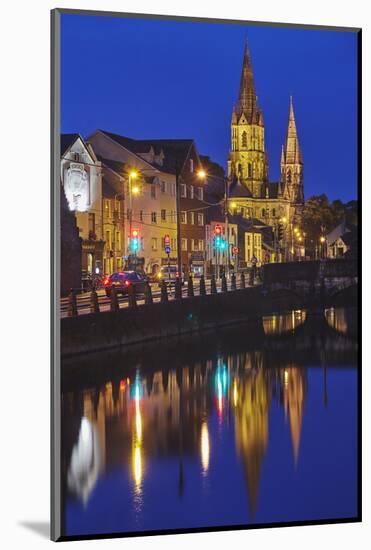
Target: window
[153,191]
[249,170]
[154,243]
[163,215]
[191,192]
[184,244]
[163,187]
[192,218]
[200,245]
[91,223]
[183,190]
[191,165]
[263,212]
[289,176]
[197,245]
[108,240]
[200,219]
[274,212]
[118,240]
[244,139]
[107,208]
[154,217]
[200,193]
[141,215]
[183,217]
[173,244]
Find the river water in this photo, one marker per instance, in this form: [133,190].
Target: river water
[248,425]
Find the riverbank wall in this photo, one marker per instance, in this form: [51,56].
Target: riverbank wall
[157,321]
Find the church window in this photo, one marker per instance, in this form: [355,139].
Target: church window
[288,176]
[263,212]
[249,170]
[274,212]
[244,139]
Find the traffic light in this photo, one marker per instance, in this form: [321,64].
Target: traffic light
[280,231]
[134,240]
[217,230]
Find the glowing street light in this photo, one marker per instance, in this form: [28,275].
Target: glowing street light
[202,174]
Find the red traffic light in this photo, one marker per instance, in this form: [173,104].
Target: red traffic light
[217,230]
[135,233]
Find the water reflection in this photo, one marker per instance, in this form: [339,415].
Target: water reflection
[216,413]
[280,323]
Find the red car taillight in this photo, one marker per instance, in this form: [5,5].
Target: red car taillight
[106,281]
[127,283]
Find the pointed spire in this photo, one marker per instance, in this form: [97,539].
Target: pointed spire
[247,101]
[292,152]
[282,156]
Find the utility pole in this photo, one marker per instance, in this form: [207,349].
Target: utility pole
[226,197]
[178,237]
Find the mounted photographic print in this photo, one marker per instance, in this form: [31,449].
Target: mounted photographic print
[205,215]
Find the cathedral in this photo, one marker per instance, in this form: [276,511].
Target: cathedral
[251,193]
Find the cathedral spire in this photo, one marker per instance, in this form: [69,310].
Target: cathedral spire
[292,149]
[247,101]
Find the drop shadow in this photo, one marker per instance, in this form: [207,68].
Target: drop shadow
[42,528]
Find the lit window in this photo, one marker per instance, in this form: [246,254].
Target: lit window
[200,219]
[183,217]
[184,244]
[192,217]
[191,192]
[154,217]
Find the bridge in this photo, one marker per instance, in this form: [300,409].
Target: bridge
[310,285]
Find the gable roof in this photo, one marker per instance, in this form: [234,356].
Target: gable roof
[68,140]
[176,151]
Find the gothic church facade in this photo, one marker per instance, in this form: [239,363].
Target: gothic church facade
[251,193]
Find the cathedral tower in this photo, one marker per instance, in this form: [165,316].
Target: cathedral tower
[247,158]
[292,164]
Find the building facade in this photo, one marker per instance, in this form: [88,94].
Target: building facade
[251,192]
[81,180]
[152,209]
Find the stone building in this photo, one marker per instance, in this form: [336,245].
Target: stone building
[81,179]
[253,195]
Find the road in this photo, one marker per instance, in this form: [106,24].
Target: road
[83,299]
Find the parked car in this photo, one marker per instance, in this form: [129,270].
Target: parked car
[122,280]
[167,274]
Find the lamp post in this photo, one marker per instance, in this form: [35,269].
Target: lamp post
[203,175]
[178,235]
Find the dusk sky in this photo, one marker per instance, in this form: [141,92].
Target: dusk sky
[170,79]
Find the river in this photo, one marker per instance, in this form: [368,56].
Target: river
[249,425]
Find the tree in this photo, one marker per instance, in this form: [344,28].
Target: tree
[320,216]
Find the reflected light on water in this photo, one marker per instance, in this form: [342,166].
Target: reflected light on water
[235,393]
[205,447]
[285,322]
[137,459]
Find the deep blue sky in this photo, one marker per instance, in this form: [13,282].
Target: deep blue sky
[171,79]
